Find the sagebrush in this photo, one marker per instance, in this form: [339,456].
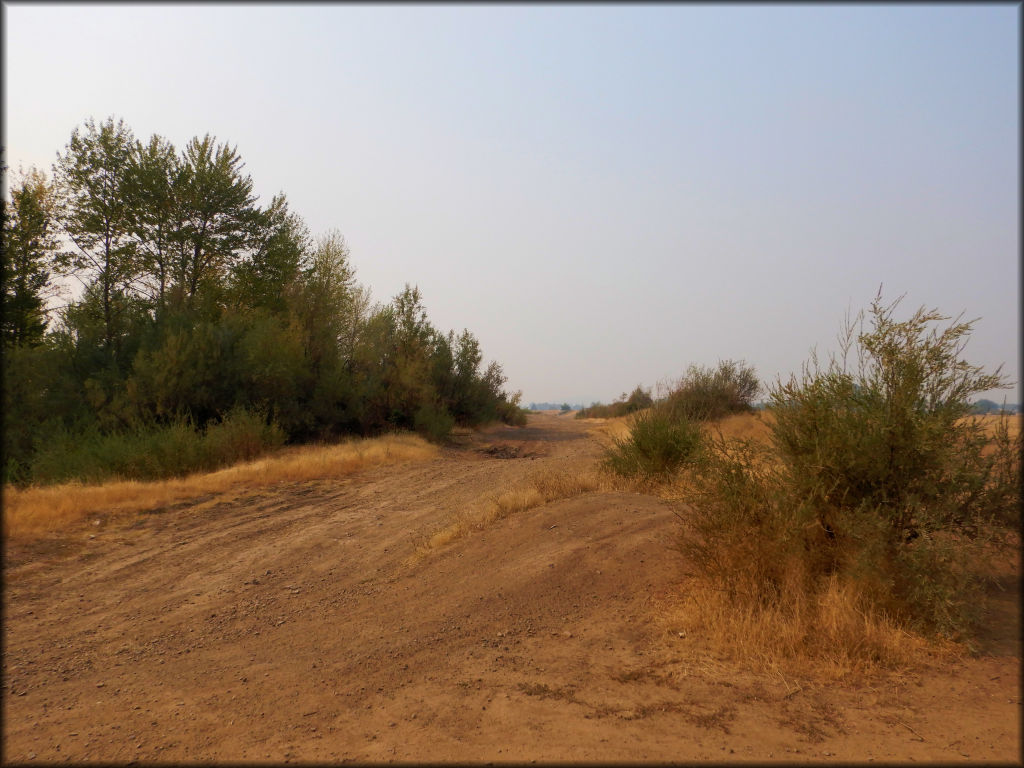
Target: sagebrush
[875,485]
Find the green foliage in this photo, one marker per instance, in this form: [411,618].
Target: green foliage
[154,214]
[874,476]
[28,250]
[91,178]
[153,452]
[637,400]
[510,412]
[743,529]
[890,435]
[710,393]
[241,435]
[659,443]
[279,244]
[197,303]
[433,422]
[665,435]
[38,399]
[218,216]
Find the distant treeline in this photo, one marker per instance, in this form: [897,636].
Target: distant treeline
[984,406]
[201,308]
[563,406]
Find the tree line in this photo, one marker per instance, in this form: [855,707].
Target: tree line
[197,303]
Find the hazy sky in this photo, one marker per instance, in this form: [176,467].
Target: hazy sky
[602,194]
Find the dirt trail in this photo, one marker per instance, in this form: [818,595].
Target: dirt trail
[292,626]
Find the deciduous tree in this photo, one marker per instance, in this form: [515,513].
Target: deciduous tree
[91,178]
[30,245]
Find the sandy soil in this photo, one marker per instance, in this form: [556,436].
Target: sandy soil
[293,626]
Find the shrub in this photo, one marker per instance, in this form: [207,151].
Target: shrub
[637,400]
[892,436]
[510,412]
[433,422]
[241,435]
[143,453]
[152,452]
[711,393]
[659,442]
[874,480]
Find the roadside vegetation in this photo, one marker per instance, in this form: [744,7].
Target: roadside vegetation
[209,327]
[42,509]
[637,400]
[666,434]
[858,526]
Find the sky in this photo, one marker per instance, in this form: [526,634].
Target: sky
[602,194]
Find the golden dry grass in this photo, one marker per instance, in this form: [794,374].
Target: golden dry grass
[826,636]
[607,431]
[754,426]
[40,510]
[540,489]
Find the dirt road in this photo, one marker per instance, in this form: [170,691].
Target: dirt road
[294,625]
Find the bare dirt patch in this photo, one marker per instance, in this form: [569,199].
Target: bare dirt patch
[292,623]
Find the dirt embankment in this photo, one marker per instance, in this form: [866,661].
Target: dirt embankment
[294,624]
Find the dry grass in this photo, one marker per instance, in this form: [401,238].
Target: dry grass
[607,431]
[41,510]
[826,637]
[992,421]
[754,426]
[540,489]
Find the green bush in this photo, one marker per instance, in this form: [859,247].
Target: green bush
[710,393]
[433,422]
[153,452]
[144,453]
[874,476]
[510,412]
[658,444]
[241,435]
[891,436]
[637,400]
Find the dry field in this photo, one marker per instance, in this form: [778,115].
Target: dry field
[491,601]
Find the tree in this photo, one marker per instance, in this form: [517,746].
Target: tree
[154,212]
[407,376]
[29,248]
[279,245]
[218,216]
[91,177]
[329,305]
